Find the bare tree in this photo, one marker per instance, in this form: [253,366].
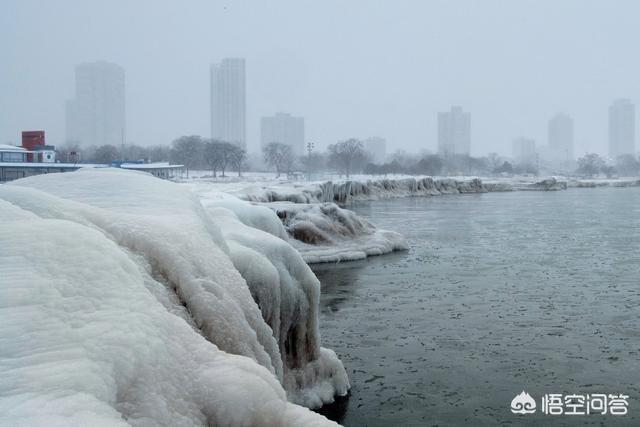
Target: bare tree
[279,156]
[590,164]
[313,162]
[493,162]
[211,153]
[627,164]
[219,155]
[237,157]
[187,150]
[106,154]
[345,154]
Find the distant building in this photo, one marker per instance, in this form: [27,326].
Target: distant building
[228,101]
[560,137]
[622,128]
[34,157]
[454,132]
[377,147]
[96,116]
[524,150]
[283,128]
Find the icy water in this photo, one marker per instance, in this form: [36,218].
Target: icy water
[499,293]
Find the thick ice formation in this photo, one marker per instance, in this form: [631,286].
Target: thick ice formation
[122,302]
[324,232]
[346,191]
[321,232]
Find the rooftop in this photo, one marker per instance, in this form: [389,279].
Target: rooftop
[5,147]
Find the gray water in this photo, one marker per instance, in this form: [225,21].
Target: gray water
[499,293]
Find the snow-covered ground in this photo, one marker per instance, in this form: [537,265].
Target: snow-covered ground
[125,300]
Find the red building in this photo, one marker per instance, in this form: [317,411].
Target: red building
[31,139]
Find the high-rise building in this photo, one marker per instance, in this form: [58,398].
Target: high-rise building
[283,128]
[560,133]
[622,128]
[454,132]
[524,150]
[96,116]
[228,101]
[377,147]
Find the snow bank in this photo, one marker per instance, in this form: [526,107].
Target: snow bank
[129,307]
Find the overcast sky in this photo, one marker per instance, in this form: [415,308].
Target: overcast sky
[351,68]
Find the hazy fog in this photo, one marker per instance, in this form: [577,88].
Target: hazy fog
[351,68]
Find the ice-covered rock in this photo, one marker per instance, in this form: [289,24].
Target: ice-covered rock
[321,232]
[548,184]
[123,302]
[324,232]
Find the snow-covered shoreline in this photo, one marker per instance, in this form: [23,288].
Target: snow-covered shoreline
[127,301]
[322,231]
[368,187]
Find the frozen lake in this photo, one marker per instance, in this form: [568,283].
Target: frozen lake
[499,293]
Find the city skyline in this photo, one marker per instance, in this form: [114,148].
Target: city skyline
[453,57]
[96,115]
[99,80]
[229,101]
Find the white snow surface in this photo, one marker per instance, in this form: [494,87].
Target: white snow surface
[125,301]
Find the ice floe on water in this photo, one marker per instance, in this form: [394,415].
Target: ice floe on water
[125,300]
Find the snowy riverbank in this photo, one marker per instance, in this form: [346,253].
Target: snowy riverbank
[127,301]
[324,232]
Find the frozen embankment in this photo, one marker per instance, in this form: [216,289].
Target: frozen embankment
[124,301]
[319,229]
[370,189]
[321,232]
[324,232]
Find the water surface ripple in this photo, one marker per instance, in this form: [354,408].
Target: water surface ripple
[499,293]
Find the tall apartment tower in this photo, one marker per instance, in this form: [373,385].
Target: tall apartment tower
[228,101]
[96,116]
[377,147]
[283,128]
[560,134]
[454,132]
[524,150]
[622,128]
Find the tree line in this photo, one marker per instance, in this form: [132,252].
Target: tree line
[344,157]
